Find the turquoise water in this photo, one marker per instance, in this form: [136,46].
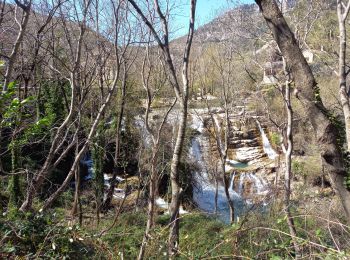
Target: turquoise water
[236,164]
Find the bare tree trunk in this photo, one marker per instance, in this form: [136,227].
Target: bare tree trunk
[327,134]
[176,190]
[77,186]
[222,148]
[216,190]
[182,96]
[226,181]
[2,11]
[154,172]
[76,201]
[151,203]
[62,132]
[57,141]
[83,149]
[113,182]
[288,171]
[140,176]
[344,94]
[23,26]
[227,193]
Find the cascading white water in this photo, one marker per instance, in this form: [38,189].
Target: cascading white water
[240,184]
[160,202]
[217,123]
[259,187]
[204,190]
[140,124]
[266,143]
[232,181]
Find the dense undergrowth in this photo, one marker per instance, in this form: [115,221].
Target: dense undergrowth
[54,235]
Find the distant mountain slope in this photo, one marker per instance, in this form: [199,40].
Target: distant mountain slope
[230,25]
[238,25]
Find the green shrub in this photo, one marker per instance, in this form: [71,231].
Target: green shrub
[42,236]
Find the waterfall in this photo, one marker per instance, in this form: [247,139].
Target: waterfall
[197,123]
[217,123]
[204,189]
[258,185]
[87,161]
[240,184]
[266,143]
[241,187]
[232,181]
[140,124]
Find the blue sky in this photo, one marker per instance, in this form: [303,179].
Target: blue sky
[206,11]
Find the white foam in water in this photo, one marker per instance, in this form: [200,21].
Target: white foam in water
[120,179]
[119,193]
[232,181]
[260,186]
[204,190]
[140,124]
[232,161]
[266,144]
[165,205]
[162,203]
[197,123]
[217,123]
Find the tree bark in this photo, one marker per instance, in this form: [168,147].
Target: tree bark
[92,132]
[154,172]
[327,134]
[151,202]
[12,59]
[57,141]
[77,186]
[343,92]
[182,96]
[176,190]
[109,196]
[288,171]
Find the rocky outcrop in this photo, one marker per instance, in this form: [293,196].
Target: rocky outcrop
[247,154]
[245,138]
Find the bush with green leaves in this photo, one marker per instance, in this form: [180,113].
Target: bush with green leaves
[43,236]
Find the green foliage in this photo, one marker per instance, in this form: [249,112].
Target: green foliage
[65,200]
[12,109]
[324,32]
[298,168]
[42,236]
[261,237]
[199,234]
[14,183]
[6,97]
[51,102]
[275,139]
[18,113]
[267,237]
[126,236]
[211,233]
